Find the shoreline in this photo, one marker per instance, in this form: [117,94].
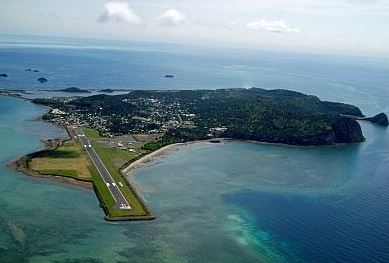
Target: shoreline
[21,165]
[147,158]
[165,150]
[125,171]
[150,157]
[14,94]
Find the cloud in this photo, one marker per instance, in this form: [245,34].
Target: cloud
[119,11]
[171,17]
[275,26]
[232,25]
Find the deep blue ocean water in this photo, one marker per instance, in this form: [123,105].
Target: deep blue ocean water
[359,80]
[234,202]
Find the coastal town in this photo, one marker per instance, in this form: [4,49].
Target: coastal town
[155,117]
[137,115]
[111,134]
[273,116]
[216,131]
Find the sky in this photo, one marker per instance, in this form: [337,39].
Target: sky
[359,26]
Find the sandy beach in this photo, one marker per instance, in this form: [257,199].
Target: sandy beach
[145,160]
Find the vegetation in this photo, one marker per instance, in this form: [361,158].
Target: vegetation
[74,90]
[91,133]
[277,116]
[71,160]
[107,90]
[42,80]
[380,119]
[155,145]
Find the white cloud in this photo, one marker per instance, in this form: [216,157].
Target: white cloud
[276,26]
[171,17]
[232,25]
[119,11]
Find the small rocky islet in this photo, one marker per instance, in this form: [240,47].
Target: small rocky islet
[42,80]
[73,90]
[379,119]
[32,70]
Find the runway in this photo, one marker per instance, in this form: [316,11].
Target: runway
[120,201]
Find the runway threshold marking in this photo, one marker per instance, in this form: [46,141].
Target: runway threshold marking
[121,206]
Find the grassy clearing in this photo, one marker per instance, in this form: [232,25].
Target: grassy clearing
[91,133]
[66,173]
[68,160]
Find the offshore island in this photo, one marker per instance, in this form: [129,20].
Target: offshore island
[111,134]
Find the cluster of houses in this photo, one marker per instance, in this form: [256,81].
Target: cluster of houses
[150,116]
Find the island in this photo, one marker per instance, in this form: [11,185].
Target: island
[14,92]
[106,91]
[3,75]
[31,70]
[121,132]
[73,90]
[42,80]
[379,119]
[272,116]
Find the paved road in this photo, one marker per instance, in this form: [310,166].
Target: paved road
[117,194]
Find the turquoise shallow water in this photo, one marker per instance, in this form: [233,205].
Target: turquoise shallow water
[235,202]
[41,219]
[326,204]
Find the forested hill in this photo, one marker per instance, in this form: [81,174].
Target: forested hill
[277,116]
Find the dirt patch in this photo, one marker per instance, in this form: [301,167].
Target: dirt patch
[118,162]
[147,137]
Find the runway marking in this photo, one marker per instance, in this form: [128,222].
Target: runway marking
[113,184]
[121,206]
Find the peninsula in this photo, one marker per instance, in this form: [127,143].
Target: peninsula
[119,132]
[273,116]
